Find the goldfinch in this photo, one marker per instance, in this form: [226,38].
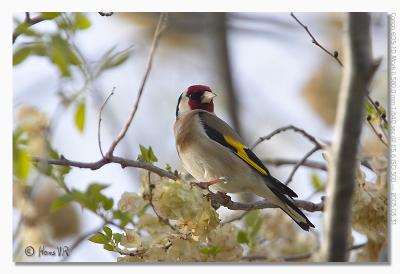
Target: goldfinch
[212,152]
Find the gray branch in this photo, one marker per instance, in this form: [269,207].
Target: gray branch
[342,165]
[220,198]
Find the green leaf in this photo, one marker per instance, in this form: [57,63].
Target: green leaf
[59,55]
[117,237]
[84,200]
[251,218]
[168,167]
[60,202]
[147,155]
[115,60]
[108,203]
[80,116]
[242,237]
[256,228]
[22,163]
[99,238]
[124,217]
[21,54]
[81,21]
[108,231]
[215,250]
[95,188]
[151,155]
[108,247]
[316,183]
[205,250]
[50,15]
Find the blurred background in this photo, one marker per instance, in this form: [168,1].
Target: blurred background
[263,66]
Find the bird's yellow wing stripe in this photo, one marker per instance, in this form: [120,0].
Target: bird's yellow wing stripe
[246,155]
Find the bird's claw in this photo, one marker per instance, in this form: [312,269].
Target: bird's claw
[206,185]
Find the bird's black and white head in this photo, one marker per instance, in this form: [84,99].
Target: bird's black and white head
[195,97]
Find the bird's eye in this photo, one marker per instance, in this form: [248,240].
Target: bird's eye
[195,96]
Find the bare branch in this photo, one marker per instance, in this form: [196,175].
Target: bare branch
[300,162]
[98,128]
[311,138]
[379,135]
[356,78]
[159,29]
[225,200]
[104,161]
[334,55]
[282,162]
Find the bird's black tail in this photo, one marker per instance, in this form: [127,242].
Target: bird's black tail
[288,206]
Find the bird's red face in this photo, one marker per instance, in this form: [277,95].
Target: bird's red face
[196,97]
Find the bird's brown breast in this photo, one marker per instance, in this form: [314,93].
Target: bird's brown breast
[185,130]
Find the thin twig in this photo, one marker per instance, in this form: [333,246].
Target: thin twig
[160,27]
[114,159]
[311,138]
[99,125]
[334,55]
[301,162]
[379,135]
[382,116]
[29,22]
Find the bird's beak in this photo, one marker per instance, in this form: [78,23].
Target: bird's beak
[207,97]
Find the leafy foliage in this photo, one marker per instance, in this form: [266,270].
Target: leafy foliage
[91,199]
[147,155]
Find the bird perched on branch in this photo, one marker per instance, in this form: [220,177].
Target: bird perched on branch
[215,155]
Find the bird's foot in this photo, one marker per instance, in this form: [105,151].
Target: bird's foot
[206,185]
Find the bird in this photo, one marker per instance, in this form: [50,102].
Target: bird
[216,156]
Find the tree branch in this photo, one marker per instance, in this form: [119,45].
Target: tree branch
[282,162]
[379,135]
[29,22]
[159,29]
[334,55]
[299,163]
[356,78]
[114,159]
[109,157]
[225,200]
[311,138]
